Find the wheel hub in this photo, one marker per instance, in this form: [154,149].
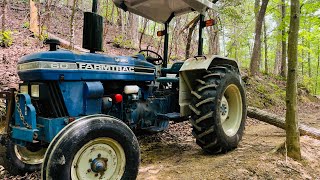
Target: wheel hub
[224,109]
[99,165]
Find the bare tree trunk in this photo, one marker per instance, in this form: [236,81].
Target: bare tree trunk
[48,13]
[292,128]
[142,33]
[279,122]
[255,62]
[283,70]
[309,62]
[133,26]
[316,88]
[72,23]
[189,38]
[266,69]
[174,36]
[105,28]
[34,21]
[112,14]
[213,33]
[4,13]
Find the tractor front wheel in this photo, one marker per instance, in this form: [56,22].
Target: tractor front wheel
[96,147]
[218,110]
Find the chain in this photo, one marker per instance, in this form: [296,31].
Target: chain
[2,112]
[20,112]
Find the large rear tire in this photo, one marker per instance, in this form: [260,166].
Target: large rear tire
[218,110]
[95,147]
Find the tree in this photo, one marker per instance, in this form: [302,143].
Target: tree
[292,128]
[193,25]
[256,53]
[4,15]
[34,18]
[284,40]
[266,69]
[72,23]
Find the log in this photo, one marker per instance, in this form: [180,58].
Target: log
[279,122]
[66,44]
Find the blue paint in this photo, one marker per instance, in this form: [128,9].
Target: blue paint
[28,111]
[72,93]
[49,128]
[93,93]
[23,134]
[137,61]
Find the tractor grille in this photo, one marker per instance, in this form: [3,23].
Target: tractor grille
[52,106]
[56,100]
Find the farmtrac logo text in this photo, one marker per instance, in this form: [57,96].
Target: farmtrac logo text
[104,67]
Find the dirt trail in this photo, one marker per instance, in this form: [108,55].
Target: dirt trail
[182,159]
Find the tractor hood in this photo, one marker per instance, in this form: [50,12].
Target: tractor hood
[66,65]
[162,10]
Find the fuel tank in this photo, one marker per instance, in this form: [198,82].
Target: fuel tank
[70,66]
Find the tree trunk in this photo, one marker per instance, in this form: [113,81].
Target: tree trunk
[4,13]
[279,122]
[316,87]
[34,21]
[292,128]
[134,24]
[283,70]
[265,48]
[105,28]
[72,23]
[189,37]
[66,43]
[142,33]
[309,61]
[256,53]
[277,61]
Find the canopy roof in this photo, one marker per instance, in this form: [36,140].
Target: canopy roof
[162,10]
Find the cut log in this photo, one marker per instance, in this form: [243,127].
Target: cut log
[280,122]
[66,44]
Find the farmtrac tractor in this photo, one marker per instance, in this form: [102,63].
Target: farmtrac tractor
[74,115]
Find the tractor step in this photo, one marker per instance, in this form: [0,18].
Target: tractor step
[169,116]
[173,117]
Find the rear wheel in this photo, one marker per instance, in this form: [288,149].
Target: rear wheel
[96,147]
[218,110]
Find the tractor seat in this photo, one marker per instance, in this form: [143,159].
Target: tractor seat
[168,80]
[173,71]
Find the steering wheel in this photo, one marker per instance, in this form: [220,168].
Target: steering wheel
[158,60]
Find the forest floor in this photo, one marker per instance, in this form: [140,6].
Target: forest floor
[174,154]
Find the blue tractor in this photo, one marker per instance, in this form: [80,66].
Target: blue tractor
[74,115]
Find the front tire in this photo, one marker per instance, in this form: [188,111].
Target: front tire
[218,110]
[96,147]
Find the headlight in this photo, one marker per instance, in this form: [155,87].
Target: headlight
[35,91]
[24,89]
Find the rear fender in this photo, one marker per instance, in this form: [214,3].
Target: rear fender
[192,69]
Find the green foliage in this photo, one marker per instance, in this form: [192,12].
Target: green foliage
[6,38]
[120,42]
[26,25]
